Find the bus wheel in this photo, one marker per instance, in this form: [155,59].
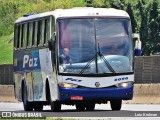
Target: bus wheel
[80,107]
[38,107]
[28,106]
[116,104]
[55,106]
[90,107]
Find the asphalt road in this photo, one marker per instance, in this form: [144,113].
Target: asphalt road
[103,110]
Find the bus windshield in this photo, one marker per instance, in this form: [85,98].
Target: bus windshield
[94,45]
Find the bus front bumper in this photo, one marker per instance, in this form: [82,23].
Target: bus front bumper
[97,94]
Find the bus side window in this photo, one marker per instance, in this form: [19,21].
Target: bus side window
[41,29]
[16,36]
[30,34]
[41,25]
[47,30]
[22,34]
[38,34]
[19,37]
[35,31]
[42,33]
[45,26]
[25,35]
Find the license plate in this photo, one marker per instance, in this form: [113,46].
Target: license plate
[76,97]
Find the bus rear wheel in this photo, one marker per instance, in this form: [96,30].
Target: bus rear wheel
[80,107]
[55,106]
[90,107]
[28,106]
[38,107]
[116,105]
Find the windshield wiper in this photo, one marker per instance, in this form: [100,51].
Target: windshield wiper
[87,65]
[105,61]
[101,57]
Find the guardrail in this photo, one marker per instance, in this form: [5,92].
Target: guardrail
[6,74]
[147,69]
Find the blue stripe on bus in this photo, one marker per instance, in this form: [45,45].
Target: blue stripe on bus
[26,60]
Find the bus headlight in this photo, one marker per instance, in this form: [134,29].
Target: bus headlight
[67,85]
[124,84]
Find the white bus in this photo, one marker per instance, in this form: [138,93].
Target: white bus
[78,56]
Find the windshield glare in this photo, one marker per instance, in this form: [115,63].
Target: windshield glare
[84,42]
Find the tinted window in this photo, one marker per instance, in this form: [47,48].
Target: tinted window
[30,34]
[24,38]
[25,35]
[42,28]
[21,36]
[16,36]
[34,42]
[47,29]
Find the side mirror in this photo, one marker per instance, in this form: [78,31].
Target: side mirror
[51,42]
[135,36]
[138,44]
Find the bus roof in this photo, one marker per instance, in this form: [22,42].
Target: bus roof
[78,12]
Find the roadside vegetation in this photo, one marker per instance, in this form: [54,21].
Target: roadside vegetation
[145,18]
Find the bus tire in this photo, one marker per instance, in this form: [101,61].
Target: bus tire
[116,105]
[56,106]
[28,106]
[80,107]
[48,96]
[38,107]
[90,106]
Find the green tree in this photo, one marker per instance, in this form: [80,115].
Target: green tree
[154,28]
[89,3]
[100,4]
[7,16]
[153,11]
[131,14]
[143,27]
[118,4]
